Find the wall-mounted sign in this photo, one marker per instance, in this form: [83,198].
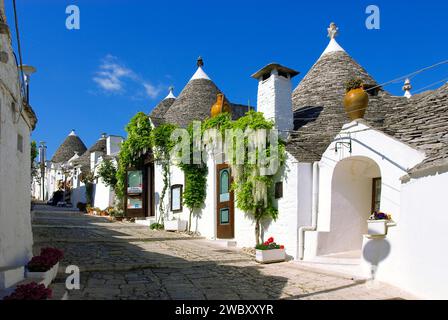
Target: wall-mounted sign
[135,203]
[135,182]
[176,198]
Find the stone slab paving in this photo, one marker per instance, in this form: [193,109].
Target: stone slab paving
[122,260]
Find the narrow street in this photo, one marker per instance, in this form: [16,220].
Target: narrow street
[121,260]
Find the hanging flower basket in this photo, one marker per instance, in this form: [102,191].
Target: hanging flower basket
[270,252]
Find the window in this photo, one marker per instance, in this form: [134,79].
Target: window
[278,190]
[176,198]
[20,143]
[224,216]
[376,194]
[224,185]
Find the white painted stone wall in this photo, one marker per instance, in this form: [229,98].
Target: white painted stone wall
[393,159]
[15,177]
[274,100]
[418,260]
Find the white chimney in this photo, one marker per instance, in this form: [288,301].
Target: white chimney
[274,96]
[113,144]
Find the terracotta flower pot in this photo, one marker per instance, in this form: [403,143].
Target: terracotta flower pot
[355,103]
[220,106]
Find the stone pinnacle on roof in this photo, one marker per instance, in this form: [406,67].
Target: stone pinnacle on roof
[407,88]
[72,133]
[333,46]
[200,74]
[170,94]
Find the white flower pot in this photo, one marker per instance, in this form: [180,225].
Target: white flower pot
[377,227]
[175,225]
[269,256]
[55,270]
[46,277]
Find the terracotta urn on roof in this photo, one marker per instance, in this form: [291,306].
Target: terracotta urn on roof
[356,100]
[220,106]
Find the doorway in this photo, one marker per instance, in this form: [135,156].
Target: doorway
[225,220]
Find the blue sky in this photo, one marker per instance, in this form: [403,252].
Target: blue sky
[127,53]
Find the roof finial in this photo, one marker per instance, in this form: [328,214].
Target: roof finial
[200,62]
[171,93]
[407,88]
[333,31]
[72,133]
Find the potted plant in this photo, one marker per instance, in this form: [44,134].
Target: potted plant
[356,99]
[44,266]
[377,223]
[117,215]
[30,291]
[270,252]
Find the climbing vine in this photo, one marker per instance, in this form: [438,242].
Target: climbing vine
[138,142]
[162,145]
[254,190]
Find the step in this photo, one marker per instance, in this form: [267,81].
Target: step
[10,276]
[145,221]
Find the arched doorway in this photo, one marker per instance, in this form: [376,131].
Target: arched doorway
[355,193]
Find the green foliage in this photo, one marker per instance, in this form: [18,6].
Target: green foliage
[108,173]
[162,145]
[353,83]
[156,226]
[34,153]
[138,142]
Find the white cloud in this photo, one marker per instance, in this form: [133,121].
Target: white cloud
[113,77]
[151,90]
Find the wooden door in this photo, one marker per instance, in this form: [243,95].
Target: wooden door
[225,203]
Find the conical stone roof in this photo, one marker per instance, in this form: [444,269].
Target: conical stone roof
[68,148]
[318,102]
[99,146]
[163,106]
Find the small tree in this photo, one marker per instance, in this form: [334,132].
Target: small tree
[34,153]
[162,145]
[108,172]
[87,177]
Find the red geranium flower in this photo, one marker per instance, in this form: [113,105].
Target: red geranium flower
[270,240]
[282,247]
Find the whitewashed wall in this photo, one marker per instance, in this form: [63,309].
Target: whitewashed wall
[420,239]
[393,159]
[15,177]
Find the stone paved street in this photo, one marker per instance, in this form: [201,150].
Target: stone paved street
[121,260]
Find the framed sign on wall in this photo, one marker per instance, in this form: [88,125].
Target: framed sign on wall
[135,182]
[176,198]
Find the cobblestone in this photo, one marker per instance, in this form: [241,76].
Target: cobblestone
[126,261]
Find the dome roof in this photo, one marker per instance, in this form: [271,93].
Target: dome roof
[317,102]
[163,106]
[68,148]
[99,146]
[195,100]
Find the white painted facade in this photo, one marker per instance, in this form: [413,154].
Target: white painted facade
[409,256]
[15,168]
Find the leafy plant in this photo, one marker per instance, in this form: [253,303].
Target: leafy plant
[378,215]
[138,142]
[34,153]
[353,83]
[108,172]
[162,145]
[269,245]
[156,226]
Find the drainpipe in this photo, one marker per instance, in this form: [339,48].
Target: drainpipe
[315,204]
